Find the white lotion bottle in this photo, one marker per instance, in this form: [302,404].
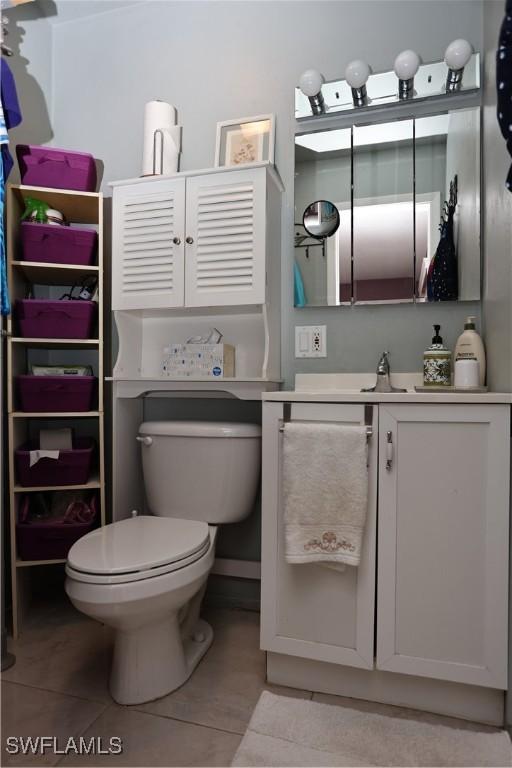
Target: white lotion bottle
[470,346]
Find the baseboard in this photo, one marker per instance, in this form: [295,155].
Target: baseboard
[239,569]
[469,702]
[234,603]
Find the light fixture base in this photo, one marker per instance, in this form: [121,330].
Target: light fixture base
[406,88]
[454,80]
[317,103]
[360,96]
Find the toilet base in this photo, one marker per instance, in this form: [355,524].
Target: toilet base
[153,660]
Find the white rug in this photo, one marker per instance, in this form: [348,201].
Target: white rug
[295,732]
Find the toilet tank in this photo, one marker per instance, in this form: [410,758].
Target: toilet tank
[201,470]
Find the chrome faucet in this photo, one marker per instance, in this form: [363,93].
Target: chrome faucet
[383,383]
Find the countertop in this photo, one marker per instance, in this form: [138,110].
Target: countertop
[345,388]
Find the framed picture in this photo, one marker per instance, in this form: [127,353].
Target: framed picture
[245,141]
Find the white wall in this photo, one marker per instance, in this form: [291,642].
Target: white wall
[497,304]
[221,60]
[497,297]
[30,38]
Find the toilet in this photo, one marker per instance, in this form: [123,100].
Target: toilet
[145,576]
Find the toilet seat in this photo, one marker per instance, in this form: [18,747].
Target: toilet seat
[136,549]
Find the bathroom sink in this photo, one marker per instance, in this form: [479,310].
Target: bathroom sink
[351,383]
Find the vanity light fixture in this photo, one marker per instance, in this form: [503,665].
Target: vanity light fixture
[356,75]
[406,65]
[456,57]
[310,83]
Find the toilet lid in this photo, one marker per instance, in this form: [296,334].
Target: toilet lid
[138,544]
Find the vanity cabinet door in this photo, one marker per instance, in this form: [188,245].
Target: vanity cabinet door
[313,611]
[225,239]
[444,474]
[148,221]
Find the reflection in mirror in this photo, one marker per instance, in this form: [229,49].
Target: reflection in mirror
[448,147]
[322,172]
[321,219]
[383,213]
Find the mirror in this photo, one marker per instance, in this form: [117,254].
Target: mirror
[321,219]
[383,212]
[447,149]
[389,183]
[323,270]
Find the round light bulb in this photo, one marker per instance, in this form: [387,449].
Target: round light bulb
[357,73]
[458,54]
[311,82]
[406,65]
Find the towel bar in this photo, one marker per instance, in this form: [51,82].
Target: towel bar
[368,418]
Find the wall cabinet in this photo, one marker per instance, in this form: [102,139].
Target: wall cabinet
[195,251]
[441,610]
[194,241]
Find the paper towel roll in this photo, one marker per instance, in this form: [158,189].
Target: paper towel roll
[161,117]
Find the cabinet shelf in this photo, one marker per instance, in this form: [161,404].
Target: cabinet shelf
[79,207]
[55,343]
[55,414]
[30,563]
[43,273]
[22,352]
[94,482]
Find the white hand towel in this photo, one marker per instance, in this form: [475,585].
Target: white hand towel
[325,490]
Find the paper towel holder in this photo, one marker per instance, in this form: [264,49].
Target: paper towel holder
[158,131]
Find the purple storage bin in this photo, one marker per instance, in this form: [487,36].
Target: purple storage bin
[56,393]
[50,541]
[58,244]
[71,468]
[49,319]
[56,168]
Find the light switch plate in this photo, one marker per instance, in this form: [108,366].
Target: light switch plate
[310,341]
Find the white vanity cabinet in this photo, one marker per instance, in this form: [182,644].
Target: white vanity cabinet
[442,605]
[191,240]
[313,611]
[435,634]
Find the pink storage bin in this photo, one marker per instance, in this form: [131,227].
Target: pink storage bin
[58,244]
[49,540]
[49,319]
[71,468]
[56,168]
[56,394]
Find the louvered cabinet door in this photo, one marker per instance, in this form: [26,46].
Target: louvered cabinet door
[148,245]
[225,228]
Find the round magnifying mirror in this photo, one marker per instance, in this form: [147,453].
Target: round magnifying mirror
[321,219]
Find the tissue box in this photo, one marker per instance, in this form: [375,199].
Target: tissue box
[199,361]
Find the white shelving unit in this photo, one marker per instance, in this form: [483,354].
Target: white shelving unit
[191,251]
[79,207]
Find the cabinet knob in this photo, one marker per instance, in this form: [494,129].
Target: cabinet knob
[176,241]
[189,240]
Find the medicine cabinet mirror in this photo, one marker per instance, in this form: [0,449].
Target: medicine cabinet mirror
[388,183]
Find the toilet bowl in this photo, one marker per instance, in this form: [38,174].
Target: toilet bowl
[145,576]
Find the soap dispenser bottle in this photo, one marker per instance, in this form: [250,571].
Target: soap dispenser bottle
[437,363]
[471,347]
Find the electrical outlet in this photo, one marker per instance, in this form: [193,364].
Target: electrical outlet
[310,341]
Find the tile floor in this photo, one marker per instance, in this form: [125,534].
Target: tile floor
[58,687]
